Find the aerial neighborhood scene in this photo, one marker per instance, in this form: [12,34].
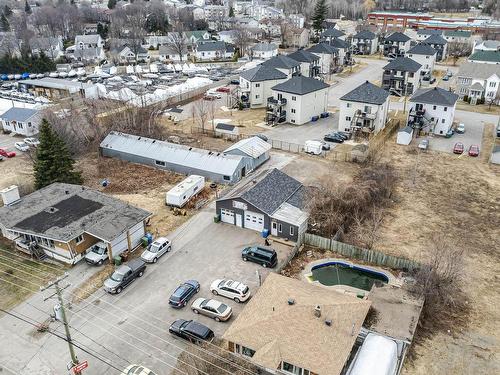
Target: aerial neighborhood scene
[243,187]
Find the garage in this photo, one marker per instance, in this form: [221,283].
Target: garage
[136,233]
[254,221]
[227,216]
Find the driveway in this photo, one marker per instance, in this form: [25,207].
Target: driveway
[140,315]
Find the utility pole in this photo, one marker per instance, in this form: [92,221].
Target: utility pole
[55,283]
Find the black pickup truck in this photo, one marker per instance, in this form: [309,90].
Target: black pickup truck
[124,275]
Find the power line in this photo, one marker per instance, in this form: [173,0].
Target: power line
[31,260]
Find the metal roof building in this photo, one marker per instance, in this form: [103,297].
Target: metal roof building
[216,166]
[253,147]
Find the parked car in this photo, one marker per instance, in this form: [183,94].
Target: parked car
[97,254]
[474,150]
[213,93]
[449,73]
[223,89]
[424,144]
[31,142]
[124,275]
[446,78]
[234,82]
[265,256]
[7,154]
[232,289]
[137,370]
[433,80]
[191,330]
[212,308]
[156,249]
[460,128]
[449,133]
[209,97]
[183,293]
[21,146]
[334,137]
[458,148]
[1,158]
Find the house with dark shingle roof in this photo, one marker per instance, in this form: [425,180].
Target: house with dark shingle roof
[424,54]
[284,64]
[364,109]
[298,100]
[332,33]
[328,57]
[23,121]
[432,110]
[439,44]
[214,50]
[423,34]
[309,62]
[256,84]
[344,50]
[271,200]
[401,76]
[396,44]
[365,42]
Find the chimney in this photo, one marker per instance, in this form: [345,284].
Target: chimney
[317,311]
[10,195]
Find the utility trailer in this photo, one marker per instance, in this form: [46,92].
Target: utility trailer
[180,194]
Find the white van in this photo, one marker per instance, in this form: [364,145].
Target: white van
[313,147]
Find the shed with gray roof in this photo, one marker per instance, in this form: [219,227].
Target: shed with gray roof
[272,200]
[216,166]
[254,147]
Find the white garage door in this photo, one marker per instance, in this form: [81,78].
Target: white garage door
[136,233]
[227,216]
[254,221]
[119,244]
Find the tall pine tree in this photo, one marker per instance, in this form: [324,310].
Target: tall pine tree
[319,15]
[27,7]
[4,23]
[53,162]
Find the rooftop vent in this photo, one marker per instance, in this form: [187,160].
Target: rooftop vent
[328,322]
[317,311]
[190,148]
[291,301]
[51,210]
[66,192]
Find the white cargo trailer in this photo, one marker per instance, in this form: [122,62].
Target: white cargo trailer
[180,194]
[313,147]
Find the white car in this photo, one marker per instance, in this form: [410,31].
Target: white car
[235,290]
[31,142]
[212,308]
[21,146]
[137,370]
[214,94]
[460,128]
[156,249]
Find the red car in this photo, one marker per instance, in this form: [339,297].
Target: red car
[7,154]
[474,150]
[223,89]
[458,148]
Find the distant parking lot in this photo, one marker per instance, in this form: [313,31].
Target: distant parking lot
[7,142]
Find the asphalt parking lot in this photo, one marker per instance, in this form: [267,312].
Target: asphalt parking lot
[7,142]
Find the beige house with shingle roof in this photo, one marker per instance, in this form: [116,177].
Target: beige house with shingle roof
[308,329]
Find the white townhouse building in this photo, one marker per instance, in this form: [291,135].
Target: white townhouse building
[284,64]
[344,49]
[479,81]
[256,84]
[364,109]
[264,50]
[365,43]
[23,121]
[309,62]
[328,57]
[298,100]
[432,110]
[458,36]
[423,54]
[396,44]
[401,76]
[439,44]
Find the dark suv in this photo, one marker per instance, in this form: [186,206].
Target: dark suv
[257,254]
[124,275]
[191,330]
[183,293]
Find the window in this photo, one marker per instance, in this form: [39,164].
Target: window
[348,105]
[257,96]
[291,231]
[280,227]
[292,110]
[227,178]
[294,98]
[257,85]
[292,121]
[348,118]
[292,369]
[442,121]
[434,107]
[247,351]
[20,125]
[445,109]
[79,239]
[368,109]
[493,84]
[160,163]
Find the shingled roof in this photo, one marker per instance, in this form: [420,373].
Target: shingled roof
[365,34]
[436,96]
[323,48]
[435,39]
[398,37]
[403,64]
[332,33]
[367,93]
[422,49]
[262,73]
[281,62]
[300,85]
[303,56]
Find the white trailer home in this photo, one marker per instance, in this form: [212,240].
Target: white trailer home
[180,194]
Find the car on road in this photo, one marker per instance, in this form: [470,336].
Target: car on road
[183,293]
[31,142]
[124,275]
[156,249]
[460,128]
[212,308]
[334,137]
[474,150]
[232,289]
[191,330]
[137,370]
[7,154]
[265,256]
[21,146]
[424,144]
[458,148]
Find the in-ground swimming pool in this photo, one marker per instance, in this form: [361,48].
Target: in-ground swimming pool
[339,273]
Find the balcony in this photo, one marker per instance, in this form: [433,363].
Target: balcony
[272,102]
[369,116]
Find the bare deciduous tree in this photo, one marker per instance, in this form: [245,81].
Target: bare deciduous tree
[178,42]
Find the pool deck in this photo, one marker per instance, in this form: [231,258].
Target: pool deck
[393,281]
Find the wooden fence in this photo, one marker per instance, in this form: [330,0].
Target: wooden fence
[371,256]
[378,141]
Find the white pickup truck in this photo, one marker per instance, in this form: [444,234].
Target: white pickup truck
[97,254]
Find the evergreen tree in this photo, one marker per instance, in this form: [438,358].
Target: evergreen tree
[27,7]
[53,162]
[7,11]
[231,12]
[111,4]
[4,23]
[319,14]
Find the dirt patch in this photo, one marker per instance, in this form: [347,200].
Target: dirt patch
[93,283]
[17,171]
[352,69]
[479,108]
